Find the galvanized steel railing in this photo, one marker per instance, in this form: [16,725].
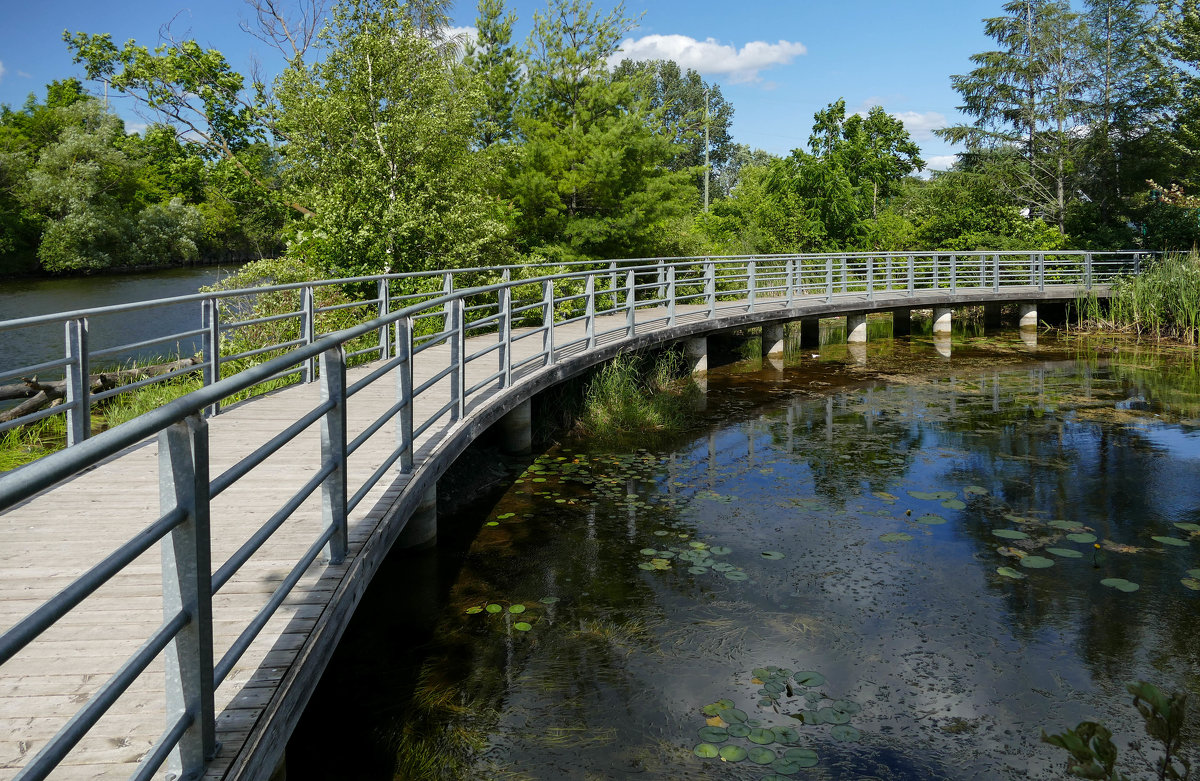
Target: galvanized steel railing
[502,304]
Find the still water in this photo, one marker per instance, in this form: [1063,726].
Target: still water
[29,297]
[882,568]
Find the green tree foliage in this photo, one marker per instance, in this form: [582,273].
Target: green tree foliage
[380,131]
[495,63]
[592,177]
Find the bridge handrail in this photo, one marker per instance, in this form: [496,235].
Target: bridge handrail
[186,487]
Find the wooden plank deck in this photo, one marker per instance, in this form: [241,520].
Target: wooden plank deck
[53,538]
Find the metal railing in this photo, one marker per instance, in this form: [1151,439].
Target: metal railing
[514,303]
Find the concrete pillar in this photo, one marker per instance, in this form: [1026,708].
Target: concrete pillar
[942,319]
[696,350]
[1028,313]
[991,315]
[901,322]
[856,327]
[810,332]
[772,339]
[517,426]
[1029,337]
[942,343]
[857,352]
[421,530]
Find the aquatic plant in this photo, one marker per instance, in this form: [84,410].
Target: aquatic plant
[1163,301]
[636,394]
[1094,755]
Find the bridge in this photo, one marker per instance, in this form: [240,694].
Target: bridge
[172,588]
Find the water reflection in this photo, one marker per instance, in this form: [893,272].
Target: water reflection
[646,591]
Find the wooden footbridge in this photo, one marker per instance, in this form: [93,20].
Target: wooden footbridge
[171,588]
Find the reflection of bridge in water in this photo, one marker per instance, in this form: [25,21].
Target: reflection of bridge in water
[271,517]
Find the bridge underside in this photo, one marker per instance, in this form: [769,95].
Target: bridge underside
[53,538]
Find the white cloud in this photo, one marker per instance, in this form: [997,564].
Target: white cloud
[24,75]
[709,57]
[940,162]
[1,71]
[921,124]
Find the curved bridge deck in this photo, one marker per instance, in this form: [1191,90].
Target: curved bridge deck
[52,538]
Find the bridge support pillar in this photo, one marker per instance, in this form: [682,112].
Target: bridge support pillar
[943,317]
[991,315]
[901,322]
[943,344]
[696,349]
[517,426]
[1028,313]
[420,532]
[772,339]
[810,332]
[856,327]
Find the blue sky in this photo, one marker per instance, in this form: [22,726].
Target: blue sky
[777,61]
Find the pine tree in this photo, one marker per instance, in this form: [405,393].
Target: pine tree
[496,63]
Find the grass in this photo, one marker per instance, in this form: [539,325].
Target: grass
[1163,302]
[637,394]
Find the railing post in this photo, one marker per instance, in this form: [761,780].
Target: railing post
[870,278]
[630,304]
[996,272]
[404,392]
[937,282]
[1032,269]
[751,283]
[1041,271]
[612,285]
[670,301]
[710,285]
[829,279]
[953,272]
[845,276]
[912,273]
[308,328]
[385,308]
[888,267]
[333,452]
[1087,270]
[187,587]
[548,321]
[791,281]
[210,316]
[505,333]
[662,279]
[1137,263]
[79,382]
[447,308]
[458,359]
[590,310]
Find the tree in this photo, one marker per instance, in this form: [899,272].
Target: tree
[680,100]
[380,131]
[495,63]
[591,179]
[1028,95]
[1177,41]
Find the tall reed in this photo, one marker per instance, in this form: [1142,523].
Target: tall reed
[1163,301]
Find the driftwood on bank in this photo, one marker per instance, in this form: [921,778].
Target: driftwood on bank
[39,394]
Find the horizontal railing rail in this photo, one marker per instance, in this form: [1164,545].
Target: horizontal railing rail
[513,308]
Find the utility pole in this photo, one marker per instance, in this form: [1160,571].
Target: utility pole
[706,151]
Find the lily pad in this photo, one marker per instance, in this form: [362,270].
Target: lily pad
[1188,527]
[1067,525]
[885,496]
[473,610]
[975,490]
[714,734]
[1195,573]
[760,755]
[895,537]
[522,626]
[1170,541]
[1010,534]
[1120,584]
[1037,562]
[1009,572]
[733,715]
[738,730]
[649,551]
[773,555]
[548,600]
[732,753]
[736,575]
[697,570]
[761,736]
[929,519]
[516,609]
[925,496]
[846,706]
[846,732]
[715,708]
[809,678]
[493,608]
[1084,537]
[785,734]
[801,757]
[954,504]
[1192,583]
[720,550]
[706,751]
[1066,553]
[831,716]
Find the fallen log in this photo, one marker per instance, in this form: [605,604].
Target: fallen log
[39,394]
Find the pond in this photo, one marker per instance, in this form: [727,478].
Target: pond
[903,567]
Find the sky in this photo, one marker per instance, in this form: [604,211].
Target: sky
[777,61]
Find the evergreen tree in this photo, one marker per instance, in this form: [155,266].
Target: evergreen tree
[496,65]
